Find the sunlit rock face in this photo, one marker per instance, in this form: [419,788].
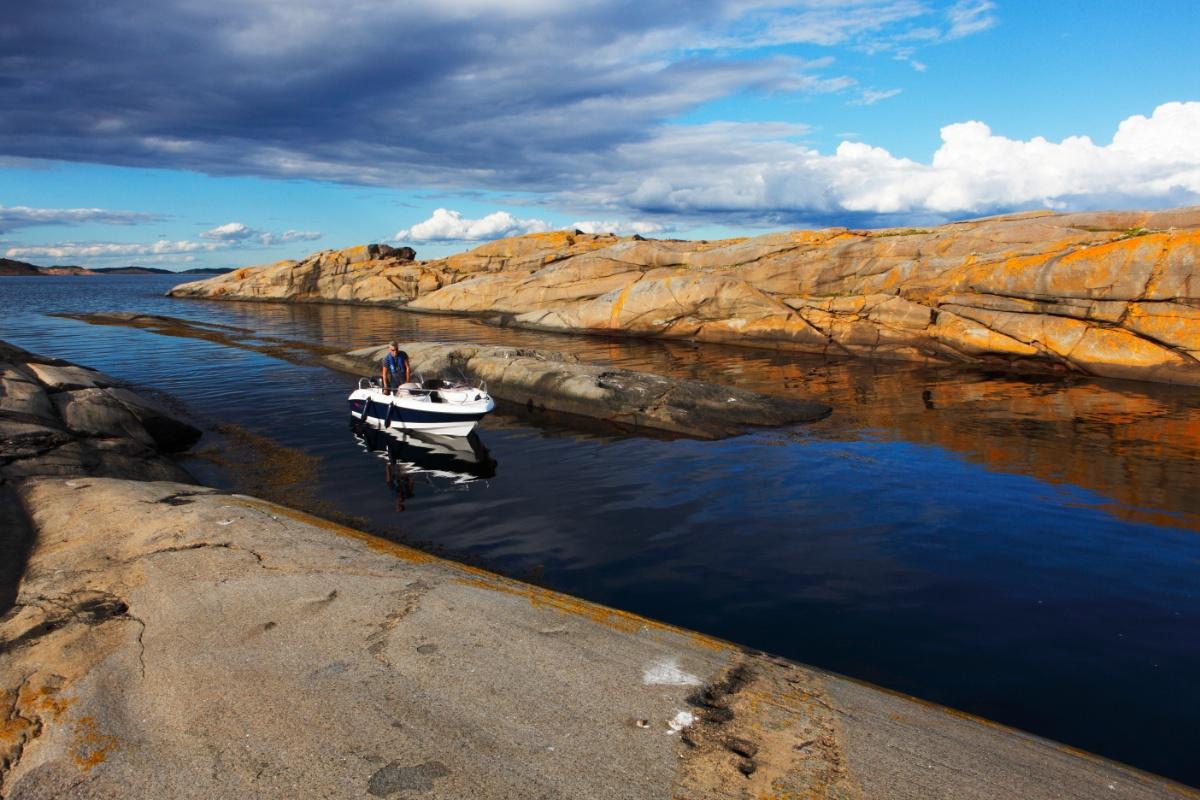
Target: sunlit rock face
[1113,294]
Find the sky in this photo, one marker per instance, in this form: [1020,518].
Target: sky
[215,133]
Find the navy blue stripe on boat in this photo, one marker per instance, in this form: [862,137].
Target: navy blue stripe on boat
[377,410]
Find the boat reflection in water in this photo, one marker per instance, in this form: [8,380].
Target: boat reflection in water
[439,462]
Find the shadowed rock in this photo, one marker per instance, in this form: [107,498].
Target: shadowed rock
[58,418]
[1114,294]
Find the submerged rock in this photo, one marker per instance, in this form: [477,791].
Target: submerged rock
[538,379]
[1114,294]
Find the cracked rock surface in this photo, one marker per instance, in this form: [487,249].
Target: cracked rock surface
[1112,294]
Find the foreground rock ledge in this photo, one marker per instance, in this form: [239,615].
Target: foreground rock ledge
[173,641]
[1113,294]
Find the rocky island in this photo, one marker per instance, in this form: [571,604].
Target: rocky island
[263,652]
[1110,294]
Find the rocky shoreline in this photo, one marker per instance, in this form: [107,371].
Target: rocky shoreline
[1110,294]
[169,639]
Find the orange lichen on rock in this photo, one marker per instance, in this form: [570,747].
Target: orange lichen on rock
[1031,286]
[89,747]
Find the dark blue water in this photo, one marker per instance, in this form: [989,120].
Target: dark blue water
[1027,550]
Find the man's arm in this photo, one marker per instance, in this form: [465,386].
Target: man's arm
[385,376]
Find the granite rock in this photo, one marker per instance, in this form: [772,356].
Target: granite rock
[1113,294]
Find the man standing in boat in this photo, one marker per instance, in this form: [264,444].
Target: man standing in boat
[395,367]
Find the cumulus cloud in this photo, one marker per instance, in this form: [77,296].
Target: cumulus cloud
[446,225]
[229,232]
[450,226]
[238,233]
[12,217]
[619,227]
[1151,161]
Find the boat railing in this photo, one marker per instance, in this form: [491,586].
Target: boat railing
[373,384]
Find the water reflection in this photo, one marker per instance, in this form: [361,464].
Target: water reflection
[437,463]
[1138,444]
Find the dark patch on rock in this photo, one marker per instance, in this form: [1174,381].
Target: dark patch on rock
[743,747]
[16,538]
[714,697]
[101,607]
[426,649]
[396,777]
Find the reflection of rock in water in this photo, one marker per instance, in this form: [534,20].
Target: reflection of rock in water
[1134,443]
[458,459]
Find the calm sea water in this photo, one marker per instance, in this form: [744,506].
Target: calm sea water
[1027,550]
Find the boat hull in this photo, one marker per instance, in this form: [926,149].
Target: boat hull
[390,412]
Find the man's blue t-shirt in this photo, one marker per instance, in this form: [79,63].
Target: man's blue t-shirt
[394,363]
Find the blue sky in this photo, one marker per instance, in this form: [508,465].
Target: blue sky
[242,132]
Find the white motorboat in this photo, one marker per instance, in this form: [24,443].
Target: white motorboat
[435,406]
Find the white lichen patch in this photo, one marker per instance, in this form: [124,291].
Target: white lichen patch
[666,672]
[680,721]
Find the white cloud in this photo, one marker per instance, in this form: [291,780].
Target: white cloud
[870,97]
[968,17]
[749,173]
[450,226]
[269,239]
[62,250]
[237,232]
[229,232]
[640,227]
[227,237]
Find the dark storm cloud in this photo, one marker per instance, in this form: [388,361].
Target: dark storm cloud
[487,94]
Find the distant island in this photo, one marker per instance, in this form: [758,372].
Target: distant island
[12,268]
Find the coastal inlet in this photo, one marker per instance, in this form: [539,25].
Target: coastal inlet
[1022,547]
